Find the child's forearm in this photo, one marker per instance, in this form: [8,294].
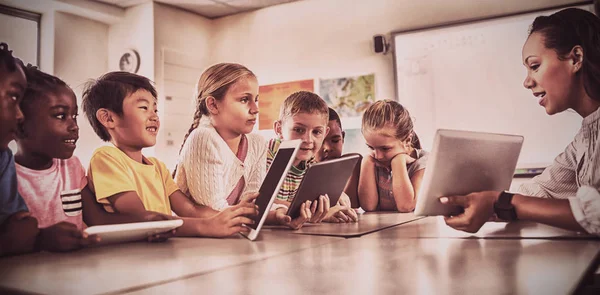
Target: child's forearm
[192,227]
[402,188]
[94,213]
[184,207]
[18,236]
[367,186]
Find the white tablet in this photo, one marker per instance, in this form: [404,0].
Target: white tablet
[328,177]
[128,232]
[462,162]
[273,180]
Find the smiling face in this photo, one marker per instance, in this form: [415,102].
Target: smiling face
[551,79]
[12,87]
[237,111]
[138,127]
[50,129]
[333,143]
[384,145]
[311,128]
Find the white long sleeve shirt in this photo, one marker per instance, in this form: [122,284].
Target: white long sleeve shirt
[575,175]
[208,170]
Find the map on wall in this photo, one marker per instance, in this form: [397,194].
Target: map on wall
[349,96]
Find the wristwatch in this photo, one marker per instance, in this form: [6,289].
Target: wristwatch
[503,207]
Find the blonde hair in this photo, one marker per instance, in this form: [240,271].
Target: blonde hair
[389,113]
[303,102]
[214,81]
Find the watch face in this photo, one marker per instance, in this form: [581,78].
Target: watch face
[129,62]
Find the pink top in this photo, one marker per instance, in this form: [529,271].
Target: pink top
[54,195]
[235,195]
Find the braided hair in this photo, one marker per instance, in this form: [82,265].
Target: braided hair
[7,60]
[214,82]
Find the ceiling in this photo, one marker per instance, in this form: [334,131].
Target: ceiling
[207,8]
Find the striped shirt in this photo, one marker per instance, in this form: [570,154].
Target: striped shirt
[575,175]
[293,178]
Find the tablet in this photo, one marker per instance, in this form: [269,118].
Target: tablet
[328,177]
[128,232]
[272,183]
[462,162]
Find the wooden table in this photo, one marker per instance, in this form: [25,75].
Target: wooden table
[406,259]
[387,263]
[126,267]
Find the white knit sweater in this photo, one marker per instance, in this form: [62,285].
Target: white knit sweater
[208,170]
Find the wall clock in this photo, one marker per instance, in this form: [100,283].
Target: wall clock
[129,61]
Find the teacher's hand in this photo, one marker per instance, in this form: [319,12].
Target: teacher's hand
[478,209]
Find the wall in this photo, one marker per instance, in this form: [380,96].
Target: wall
[134,31]
[81,53]
[179,59]
[332,38]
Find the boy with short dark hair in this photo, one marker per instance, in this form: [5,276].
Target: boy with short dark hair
[122,109]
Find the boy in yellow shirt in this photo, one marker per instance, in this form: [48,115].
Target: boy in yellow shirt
[122,109]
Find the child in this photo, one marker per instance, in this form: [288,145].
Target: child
[388,131]
[220,160]
[51,179]
[332,149]
[19,232]
[304,115]
[121,107]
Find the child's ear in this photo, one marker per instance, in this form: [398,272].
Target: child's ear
[343,135]
[327,129]
[576,56]
[211,105]
[277,129]
[106,118]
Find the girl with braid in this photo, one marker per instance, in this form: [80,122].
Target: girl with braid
[221,162]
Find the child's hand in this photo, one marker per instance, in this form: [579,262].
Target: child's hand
[249,197]
[64,236]
[155,216]
[341,213]
[230,221]
[319,209]
[402,158]
[19,233]
[283,219]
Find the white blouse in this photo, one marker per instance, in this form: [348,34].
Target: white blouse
[208,170]
[575,175]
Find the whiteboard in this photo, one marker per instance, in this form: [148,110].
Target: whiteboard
[470,77]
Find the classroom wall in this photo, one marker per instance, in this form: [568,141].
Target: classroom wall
[81,53]
[332,38]
[179,59]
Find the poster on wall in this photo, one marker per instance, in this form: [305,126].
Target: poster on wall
[349,96]
[271,97]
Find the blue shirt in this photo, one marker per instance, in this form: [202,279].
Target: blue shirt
[11,201]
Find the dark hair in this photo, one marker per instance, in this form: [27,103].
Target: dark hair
[568,28]
[333,115]
[39,84]
[108,92]
[7,59]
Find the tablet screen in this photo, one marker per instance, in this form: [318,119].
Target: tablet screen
[267,189]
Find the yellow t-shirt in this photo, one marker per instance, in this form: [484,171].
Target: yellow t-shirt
[111,172]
